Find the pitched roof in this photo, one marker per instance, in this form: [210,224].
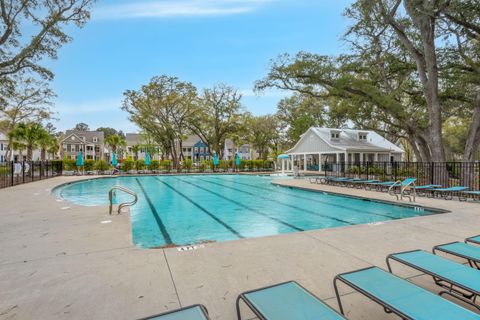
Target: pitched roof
[88,135]
[133,139]
[348,140]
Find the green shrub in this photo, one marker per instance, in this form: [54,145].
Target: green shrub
[89,164]
[154,165]
[140,164]
[102,165]
[166,164]
[128,165]
[69,164]
[187,164]
[268,164]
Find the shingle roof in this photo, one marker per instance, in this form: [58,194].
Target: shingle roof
[89,135]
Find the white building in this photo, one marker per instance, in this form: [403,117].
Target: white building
[16,155]
[320,145]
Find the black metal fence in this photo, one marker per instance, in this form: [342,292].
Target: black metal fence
[14,173]
[447,174]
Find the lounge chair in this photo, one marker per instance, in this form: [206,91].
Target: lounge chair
[286,301]
[363,183]
[401,297]
[463,250]
[379,185]
[422,190]
[474,239]
[467,194]
[459,281]
[447,193]
[403,189]
[195,312]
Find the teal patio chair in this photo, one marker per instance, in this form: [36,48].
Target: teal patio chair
[447,193]
[286,301]
[457,280]
[401,297]
[195,312]
[474,239]
[462,250]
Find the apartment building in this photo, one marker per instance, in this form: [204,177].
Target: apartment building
[91,143]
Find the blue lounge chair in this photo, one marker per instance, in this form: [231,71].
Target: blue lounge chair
[379,185]
[463,250]
[195,312]
[401,297]
[362,183]
[474,239]
[459,281]
[286,301]
[468,194]
[447,193]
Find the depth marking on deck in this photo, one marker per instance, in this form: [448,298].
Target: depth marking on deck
[211,215]
[282,203]
[161,226]
[318,201]
[243,206]
[191,248]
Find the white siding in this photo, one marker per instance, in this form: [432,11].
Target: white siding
[311,143]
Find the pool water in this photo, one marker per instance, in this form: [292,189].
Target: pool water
[189,209]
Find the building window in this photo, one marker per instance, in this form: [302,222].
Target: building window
[335,135]
[69,147]
[362,136]
[97,149]
[95,139]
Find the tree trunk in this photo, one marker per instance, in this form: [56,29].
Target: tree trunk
[473,138]
[43,154]
[29,153]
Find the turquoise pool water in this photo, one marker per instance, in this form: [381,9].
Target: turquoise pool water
[180,210]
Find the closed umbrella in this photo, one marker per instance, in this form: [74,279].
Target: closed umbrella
[79,160]
[215,159]
[114,159]
[237,160]
[147,159]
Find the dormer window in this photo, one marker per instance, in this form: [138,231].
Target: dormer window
[95,139]
[362,136]
[335,135]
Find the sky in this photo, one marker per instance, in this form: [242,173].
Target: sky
[206,42]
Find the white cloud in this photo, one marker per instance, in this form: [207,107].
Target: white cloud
[177,8]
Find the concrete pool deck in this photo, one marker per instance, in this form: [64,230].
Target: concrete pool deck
[59,261]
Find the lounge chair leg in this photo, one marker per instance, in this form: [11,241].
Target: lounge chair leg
[340,306]
[239,316]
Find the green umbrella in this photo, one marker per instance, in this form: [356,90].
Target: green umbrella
[80,159]
[114,159]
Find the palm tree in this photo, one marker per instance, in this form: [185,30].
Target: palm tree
[53,147]
[20,147]
[135,149]
[115,141]
[30,134]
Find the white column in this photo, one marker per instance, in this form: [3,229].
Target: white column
[283,166]
[361,157]
[376,157]
[346,157]
[319,162]
[304,162]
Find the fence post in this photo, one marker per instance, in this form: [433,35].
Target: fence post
[12,170]
[432,172]
[367,169]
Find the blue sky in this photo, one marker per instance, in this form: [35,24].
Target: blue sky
[205,42]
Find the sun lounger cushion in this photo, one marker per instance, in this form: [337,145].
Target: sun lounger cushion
[428,186]
[405,297]
[475,239]
[290,301]
[451,189]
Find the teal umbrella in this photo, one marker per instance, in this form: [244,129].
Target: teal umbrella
[114,159]
[237,160]
[215,159]
[147,159]
[80,159]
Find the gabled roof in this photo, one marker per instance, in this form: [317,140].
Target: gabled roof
[348,140]
[89,135]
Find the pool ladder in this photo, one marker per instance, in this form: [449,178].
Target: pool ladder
[111,194]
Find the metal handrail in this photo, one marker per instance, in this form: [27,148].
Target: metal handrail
[124,204]
[399,183]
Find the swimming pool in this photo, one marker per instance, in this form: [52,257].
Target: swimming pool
[190,209]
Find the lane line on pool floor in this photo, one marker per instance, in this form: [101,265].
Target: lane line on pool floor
[211,215]
[317,201]
[282,203]
[243,205]
[161,226]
